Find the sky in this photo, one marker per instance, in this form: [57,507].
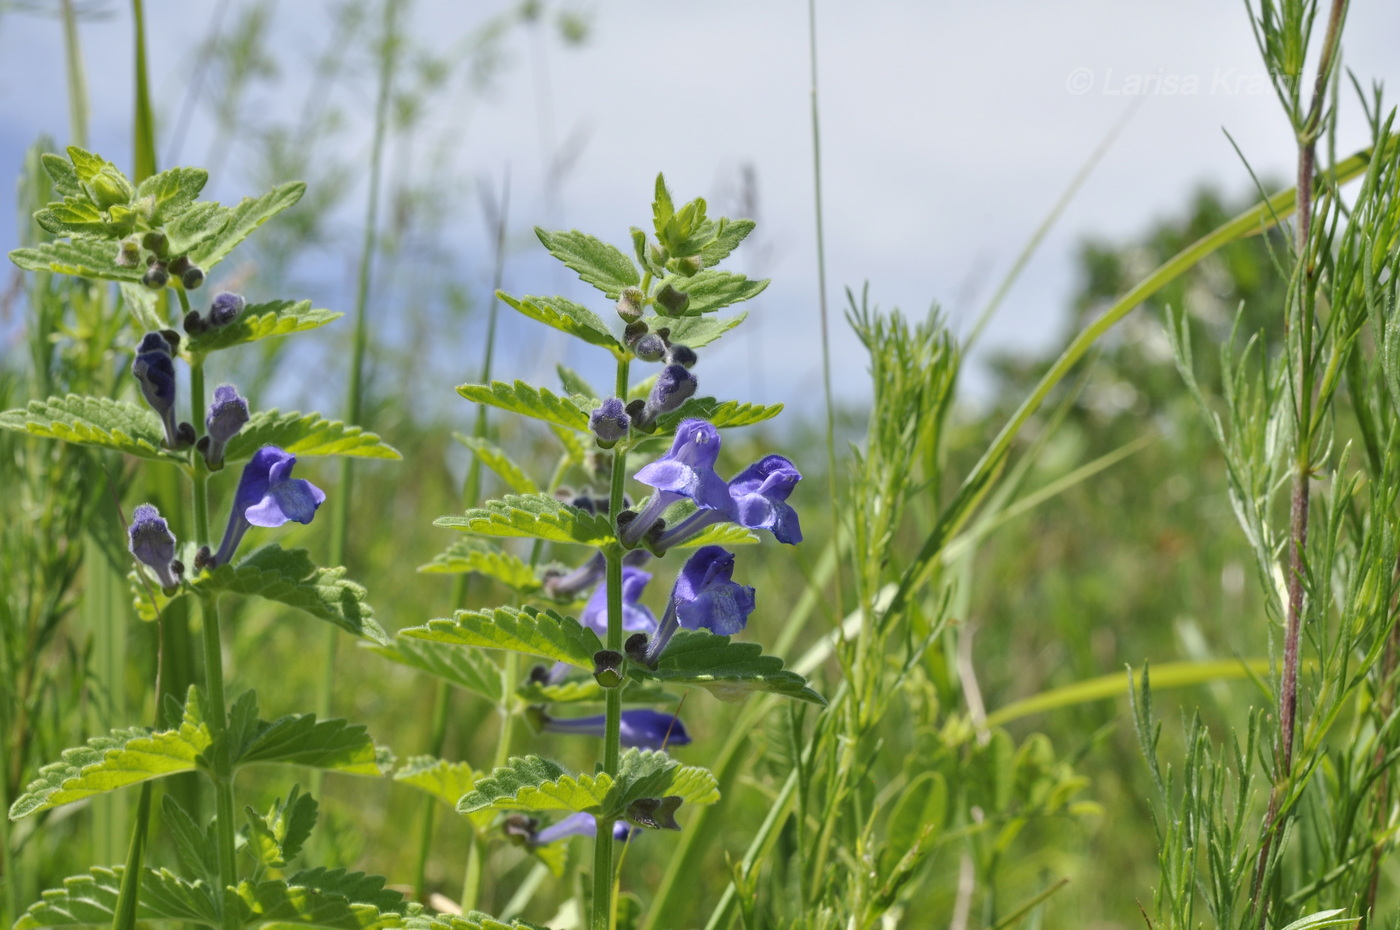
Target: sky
[948,131]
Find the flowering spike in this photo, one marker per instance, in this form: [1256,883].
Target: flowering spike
[269,496]
[227,415]
[154,545]
[687,470]
[704,597]
[609,422]
[154,368]
[641,728]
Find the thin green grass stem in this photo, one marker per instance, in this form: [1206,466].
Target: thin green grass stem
[78,105]
[144,125]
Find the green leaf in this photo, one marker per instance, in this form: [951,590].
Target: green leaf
[725,238]
[730,413]
[260,321]
[356,886]
[720,534]
[530,783]
[195,226]
[565,316]
[466,668]
[528,630]
[534,516]
[243,219]
[277,837]
[93,421]
[495,458]
[472,920]
[195,848]
[285,904]
[446,781]
[696,331]
[663,211]
[78,216]
[171,192]
[61,171]
[728,670]
[90,900]
[470,555]
[306,434]
[107,763]
[576,446]
[596,262]
[588,691]
[573,382]
[289,577]
[87,165]
[299,739]
[87,258]
[711,290]
[528,401]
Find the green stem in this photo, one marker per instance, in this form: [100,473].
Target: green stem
[78,106]
[217,719]
[471,881]
[438,736]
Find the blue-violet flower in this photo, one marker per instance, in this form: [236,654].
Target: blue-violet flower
[154,545]
[757,501]
[704,597]
[225,309]
[609,422]
[688,470]
[268,495]
[673,387]
[227,415]
[641,727]
[579,825]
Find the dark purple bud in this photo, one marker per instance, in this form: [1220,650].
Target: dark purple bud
[268,496]
[225,309]
[227,415]
[650,348]
[155,241]
[609,422]
[608,668]
[671,301]
[154,369]
[154,545]
[629,306]
[155,277]
[179,265]
[673,387]
[194,323]
[681,355]
[192,278]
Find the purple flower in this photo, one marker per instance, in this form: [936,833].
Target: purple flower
[225,309]
[154,368]
[268,495]
[642,728]
[688,470]
[705,597]
[672,388]
[227,415]
[757,501]
[585,576]
[609,422]
[154,545]
[636,618]
[579,825]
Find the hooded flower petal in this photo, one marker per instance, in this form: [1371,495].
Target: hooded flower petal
[154,368]
[686,471]
[636,618]
[641,727]
[705,597]
[153,544]
[673,387]
[760,494]
[268,495]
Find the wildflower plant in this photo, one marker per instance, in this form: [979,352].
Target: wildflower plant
[614,651]
[158,243]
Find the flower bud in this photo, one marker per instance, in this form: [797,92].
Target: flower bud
[672,301]
[194,323]
[657,255]
[629,306]
[155,241]
[156,277]
[192,278]
[673,387]
[608,667]
[154,369]
[128,254]
[153,545]
[681,355]
[687,267]
[227,415]
[609,422]
[650,348]
[110,188]
[179,265]
[225,309]
[633,332]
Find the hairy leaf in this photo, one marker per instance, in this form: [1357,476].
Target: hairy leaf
[261,321]
[712,290]
[464,667]
[530,783]
[88,258]
[696,331]
[446,781]
[525,400]
[495,458]
[535,516]
[248,215]
[527,630]
[566,316]
[301,739]
[295,903]
[472,555]
[171,192]
[596,262]
[725,236]
[730,671]
[305,434]
[724,415]
[90,900]
[93,421]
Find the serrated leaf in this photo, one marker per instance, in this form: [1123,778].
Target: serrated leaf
[195,226]
[730,671]
[596,262]
[88,258]
[106,763]
[696,331]
[720,534]
[284,904]
[725,236]
[248,215]
[567,317]
[521,398]
[588,691]
[465,667]
[93,421]
[495,458]
[260,321]
[576,445]
[144,306]
[289,577]
[195,848]
[306,434]
[62,173]
[730,413]
[89,900]
[472,920]
[648,773]
[356,886]
[300,739]
[711,290]
[530,783]
[171,192]
[535,516]
[573,382]
[528,630]
[87,165]
[78,216]
[470,555]
[446,781]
